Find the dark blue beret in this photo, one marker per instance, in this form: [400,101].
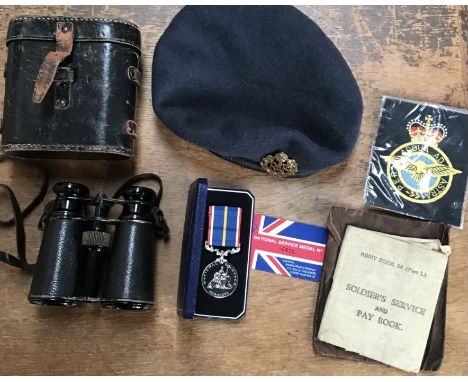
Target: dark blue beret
[261,86]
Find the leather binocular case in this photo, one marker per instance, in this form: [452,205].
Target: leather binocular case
[80,260]
[70,88]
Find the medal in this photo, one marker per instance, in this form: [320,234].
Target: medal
[219,279]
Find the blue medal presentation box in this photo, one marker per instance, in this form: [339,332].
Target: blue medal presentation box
[214,274]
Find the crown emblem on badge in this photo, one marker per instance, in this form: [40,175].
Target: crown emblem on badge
[427,132]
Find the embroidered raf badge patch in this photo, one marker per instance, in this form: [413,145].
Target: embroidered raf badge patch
[425,177]
[419,171]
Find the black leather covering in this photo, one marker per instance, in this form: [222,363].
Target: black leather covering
[89,110]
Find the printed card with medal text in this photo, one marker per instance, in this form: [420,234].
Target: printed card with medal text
[419,161]
[287,248]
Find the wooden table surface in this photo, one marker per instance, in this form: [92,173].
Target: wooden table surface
[405,51]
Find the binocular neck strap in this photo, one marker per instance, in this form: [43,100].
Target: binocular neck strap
[140,178]
[20,261]
[34,203]
[162,229]
[17,220]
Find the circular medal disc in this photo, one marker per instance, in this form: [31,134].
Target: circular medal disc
[219,280]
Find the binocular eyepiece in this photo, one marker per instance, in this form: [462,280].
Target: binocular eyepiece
[82,260]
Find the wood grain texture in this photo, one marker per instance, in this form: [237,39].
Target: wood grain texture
[417,52]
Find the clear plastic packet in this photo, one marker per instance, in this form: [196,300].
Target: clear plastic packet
[419,161]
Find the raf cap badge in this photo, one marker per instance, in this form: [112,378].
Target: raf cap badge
[279,165]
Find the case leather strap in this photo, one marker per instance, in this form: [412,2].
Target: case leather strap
[48,69]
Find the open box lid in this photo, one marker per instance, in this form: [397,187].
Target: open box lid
[192,248]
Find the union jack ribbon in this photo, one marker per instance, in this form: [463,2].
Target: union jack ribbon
[224,226]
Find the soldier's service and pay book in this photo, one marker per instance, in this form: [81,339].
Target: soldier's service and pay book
[383,296]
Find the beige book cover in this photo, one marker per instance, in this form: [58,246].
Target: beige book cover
[383,296]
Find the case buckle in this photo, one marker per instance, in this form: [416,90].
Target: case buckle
[63,79]
[48,69]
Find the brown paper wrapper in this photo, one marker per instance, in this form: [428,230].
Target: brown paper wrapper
[338,219]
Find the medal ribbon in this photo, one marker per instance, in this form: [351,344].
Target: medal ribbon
[224,226]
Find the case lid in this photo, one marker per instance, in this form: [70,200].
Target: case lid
[42,28]
[192,248]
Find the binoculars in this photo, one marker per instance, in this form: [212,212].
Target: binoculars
[85,256]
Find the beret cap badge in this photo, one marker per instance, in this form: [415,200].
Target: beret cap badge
[279,165]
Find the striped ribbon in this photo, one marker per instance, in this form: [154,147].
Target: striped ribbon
[224,226]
